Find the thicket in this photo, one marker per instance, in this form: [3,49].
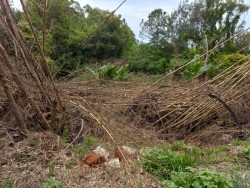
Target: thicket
[68,27]
[170,40]
[195,32]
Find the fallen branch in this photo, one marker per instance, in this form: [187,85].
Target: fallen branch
[235,118]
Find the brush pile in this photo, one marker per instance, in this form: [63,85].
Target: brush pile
[201,112]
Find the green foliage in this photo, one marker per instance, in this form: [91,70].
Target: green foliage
[80,150]
[174,165]
[1,146]
[68,27]
[154,28]
[244,143]
[241,179]
[109,72]
[53,183]
[198,179]
[192,69]
[52,169]
[162,161]
[246,153]
[192,21]
[221,61]
[150,59]
[7,183]
[89,143]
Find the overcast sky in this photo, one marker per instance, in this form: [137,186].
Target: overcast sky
[135,10]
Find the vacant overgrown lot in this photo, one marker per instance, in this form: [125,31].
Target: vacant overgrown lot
[213,155]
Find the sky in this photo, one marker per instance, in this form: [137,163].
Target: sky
[135,10]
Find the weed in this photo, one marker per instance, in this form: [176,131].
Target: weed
[88,144]
[90,141]
[246,153]
[1,146]
[192,177]
[52,172]
[65,135]
[224,148]
[7,183]
[243,143]
[80,151]
[109,72]
[241,179]
[177,145]
[161,161]
[53,183]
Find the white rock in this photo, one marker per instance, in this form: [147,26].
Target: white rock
[101,151]
[131,151]
[113,163]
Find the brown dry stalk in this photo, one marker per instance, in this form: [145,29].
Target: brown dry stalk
[17,39]
[17,114]
[101,123]
[181,67]
[22,87]
[44,63]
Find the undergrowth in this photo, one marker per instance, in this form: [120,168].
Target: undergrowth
[179,165]
[88,143]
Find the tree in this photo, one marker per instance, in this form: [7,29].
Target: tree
[68,27]
[154,29]
[190,23]
[112,38]
[215,20]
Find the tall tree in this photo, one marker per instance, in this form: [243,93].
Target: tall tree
[191,22]
[154,29]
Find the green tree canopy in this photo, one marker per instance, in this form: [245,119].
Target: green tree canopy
[191,22]
[69,25]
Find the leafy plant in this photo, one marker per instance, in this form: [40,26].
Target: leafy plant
[52,170]
[109,72]
[7,183]
[241,179]
[53,183]
[193,69]
[88,143]
[246,153]
[194,178]
[162,161]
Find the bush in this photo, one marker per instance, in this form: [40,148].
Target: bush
[220,62]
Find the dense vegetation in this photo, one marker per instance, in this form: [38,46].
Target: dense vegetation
[169,40]
[68,26]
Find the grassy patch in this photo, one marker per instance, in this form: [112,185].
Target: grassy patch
[192,177]
[181,165]
[162,161]
[7,183]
